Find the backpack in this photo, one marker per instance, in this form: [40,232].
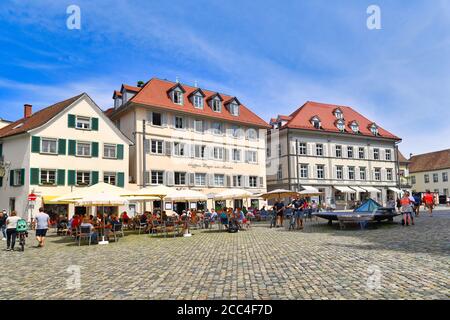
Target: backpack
[22,226]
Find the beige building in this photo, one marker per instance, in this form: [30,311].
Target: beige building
[403,165]
[57,150]
[335,150]
[194,139]
[430,171]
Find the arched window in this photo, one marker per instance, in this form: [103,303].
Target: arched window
[338,114]
[252,134]
[340,125]
[374,129]
[315,121]
[354,126]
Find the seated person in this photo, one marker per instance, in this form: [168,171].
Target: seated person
[93,234]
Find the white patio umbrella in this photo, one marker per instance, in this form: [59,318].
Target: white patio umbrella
[186,195]
[158,191]
[278,194]
[233,194]
[100,187]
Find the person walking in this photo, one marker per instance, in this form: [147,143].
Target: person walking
[11,232]
[412,204]
[417,202]
[428,199]
[406,209]
[42,221]
[3,217]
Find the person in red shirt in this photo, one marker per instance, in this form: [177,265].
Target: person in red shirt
[76,221]
[428,199]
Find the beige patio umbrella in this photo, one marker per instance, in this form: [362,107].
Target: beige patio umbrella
[100,187]
[278,194]
[233,194]
[186,195]
[159,191]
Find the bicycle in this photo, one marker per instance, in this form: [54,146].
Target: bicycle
[22,236]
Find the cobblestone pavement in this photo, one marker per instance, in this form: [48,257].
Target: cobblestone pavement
[321,262]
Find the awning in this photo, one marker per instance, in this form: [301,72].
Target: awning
[358,189]
[310,189]
[395,190]
[371,189]
[49,200]
[345,189]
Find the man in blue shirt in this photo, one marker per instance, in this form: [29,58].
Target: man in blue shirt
[278,207]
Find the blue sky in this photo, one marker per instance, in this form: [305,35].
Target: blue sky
[272,55]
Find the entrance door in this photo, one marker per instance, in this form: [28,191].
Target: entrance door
[238,203]
[179,207]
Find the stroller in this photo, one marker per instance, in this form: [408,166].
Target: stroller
[233,226]
[22,233]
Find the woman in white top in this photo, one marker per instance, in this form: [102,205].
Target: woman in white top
[11,233]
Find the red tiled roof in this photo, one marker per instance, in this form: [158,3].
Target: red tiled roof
[37,119]
[437,160]
[108,112]
[401,157]
[284,118]
[155,93]
[301,119]
[117,93]
[131,88]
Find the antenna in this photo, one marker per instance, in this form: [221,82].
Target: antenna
[177,79]
[196,84]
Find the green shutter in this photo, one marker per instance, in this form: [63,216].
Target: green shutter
[120,151]
[11,178]
[62,147]
[71,177]
[94,149]
[121,179]
[1,149]
[94,122]
[35,144]
[1,182]
[71,121]
[94,176]
[22,177]
[72,147]
[34,176]
[61,180]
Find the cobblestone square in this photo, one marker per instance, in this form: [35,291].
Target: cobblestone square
[321,262]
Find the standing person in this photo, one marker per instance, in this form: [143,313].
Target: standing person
[279,211]
[429,202]
[417,202]
[11,232]
[42,221]
[3,217]
[297,203]
[412,204]
[406,208]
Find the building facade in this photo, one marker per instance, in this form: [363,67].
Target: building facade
[56,150]
[430,171]
[335,150]
[191,138]
[403,164]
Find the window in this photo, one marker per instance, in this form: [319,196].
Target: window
[200,151]
[445,191]
[253,181]
[351,173]
[444,176]
[198,125]
[362,173]
[320,171]
[179,149]
[388,154]
[436,190]
[315,122]
[338,151]
[200,179]
[302,148]
[376,154]
[218,153]
[350,152]
[198,101]
[340,125]
[177,97]
[156,119]
[83,123]
[377,174]
[157,177]
[280,172]
[413,179]
[18,178]
[83,149]
[374,129]
[252,134]
[48,177]
[110,151]
[303,171]
[355,127]
[236,155]
[234,109]
[216,105]
[426,178]
[237,181]
[339,172]
[389,174]
[435,177]
[179,123]
[236,132]
[217,128]
[219,180]
[251,156]
[279,149]
[338,114]
[319,149]
[361,152]
[109,177]
[49,146]
[268,152]
[180,178]
[83,178]
[157,147]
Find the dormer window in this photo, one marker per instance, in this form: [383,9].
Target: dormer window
[340,125]
[354,126]
[374,129]
[198,101]
[216,105]
[234,109]
[315,121]
[177,97]
[338,114]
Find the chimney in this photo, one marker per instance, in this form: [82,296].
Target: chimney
[410,155]
[27,110]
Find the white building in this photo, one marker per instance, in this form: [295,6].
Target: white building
[333,149]
[56,150]
[194,139]
[430,171]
